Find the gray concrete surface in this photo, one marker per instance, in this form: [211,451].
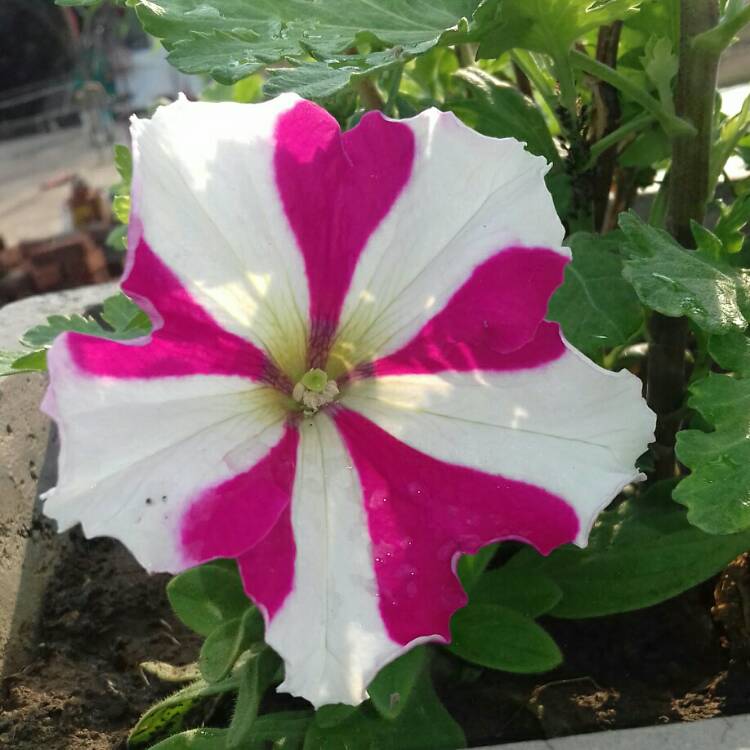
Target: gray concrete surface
[727,733]
[28,549]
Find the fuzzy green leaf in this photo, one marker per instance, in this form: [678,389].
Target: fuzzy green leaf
[173,713]
[195,739]
[232,39]
[639,554]
[595,306]
[206,596]
[677,282]
[502,638]
[256,677]
[225,643]
[717,492]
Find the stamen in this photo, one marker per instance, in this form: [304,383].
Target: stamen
[315,391]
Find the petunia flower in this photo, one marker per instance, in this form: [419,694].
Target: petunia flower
[350,382]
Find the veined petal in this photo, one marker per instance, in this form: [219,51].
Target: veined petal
[205,193]
[136,451]
[423,513]
[185,340]
[495,321]
[468,197]
[336,188]
[566,426]
[328,630]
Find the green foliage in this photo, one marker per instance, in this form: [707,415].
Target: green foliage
[195,739]
[661,65]
[422,723]
[499,110]
[731,222]
[502,638]
[675,282]
[716,492]
[595,306]
[526,591]
[549,26]
[391,690]
[177,712]
[639,554]
[256,676]
[121,319]
[235,38]
[206,596]
[732,352]
[225,643]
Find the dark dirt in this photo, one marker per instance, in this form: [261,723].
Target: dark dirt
[83,688]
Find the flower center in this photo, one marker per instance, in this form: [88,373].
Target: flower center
[314,391]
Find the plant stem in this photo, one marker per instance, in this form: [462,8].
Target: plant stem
[720,37]
[369,94]
[672,125]
[639,122]
[687,199]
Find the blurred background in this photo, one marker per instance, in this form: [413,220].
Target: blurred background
[70,78]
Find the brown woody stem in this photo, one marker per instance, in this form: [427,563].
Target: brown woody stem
[687,199]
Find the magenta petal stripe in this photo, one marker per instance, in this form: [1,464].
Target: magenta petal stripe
[493,321]
[186,340]
[267,569]
[336,188]
[230,518]
[422,513]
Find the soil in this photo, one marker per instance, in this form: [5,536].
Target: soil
[83,688]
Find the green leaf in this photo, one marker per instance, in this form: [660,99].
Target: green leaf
[595,306]
[731,132]
[502,638]
[527,591]
[471,567]
[206,596]
[231,39]
[661,65]
[423,723]
[12,363]
[732,221]
[501,111]
[124,163]
[732,352]
[225,643]
[121,208]
[126,319]
[716,492]
[677,282]
[195,739]
[256,677]
[639,554]
[549,26]
[391,689]
[286,729]
[333,714]
[117,239]
[172,714]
